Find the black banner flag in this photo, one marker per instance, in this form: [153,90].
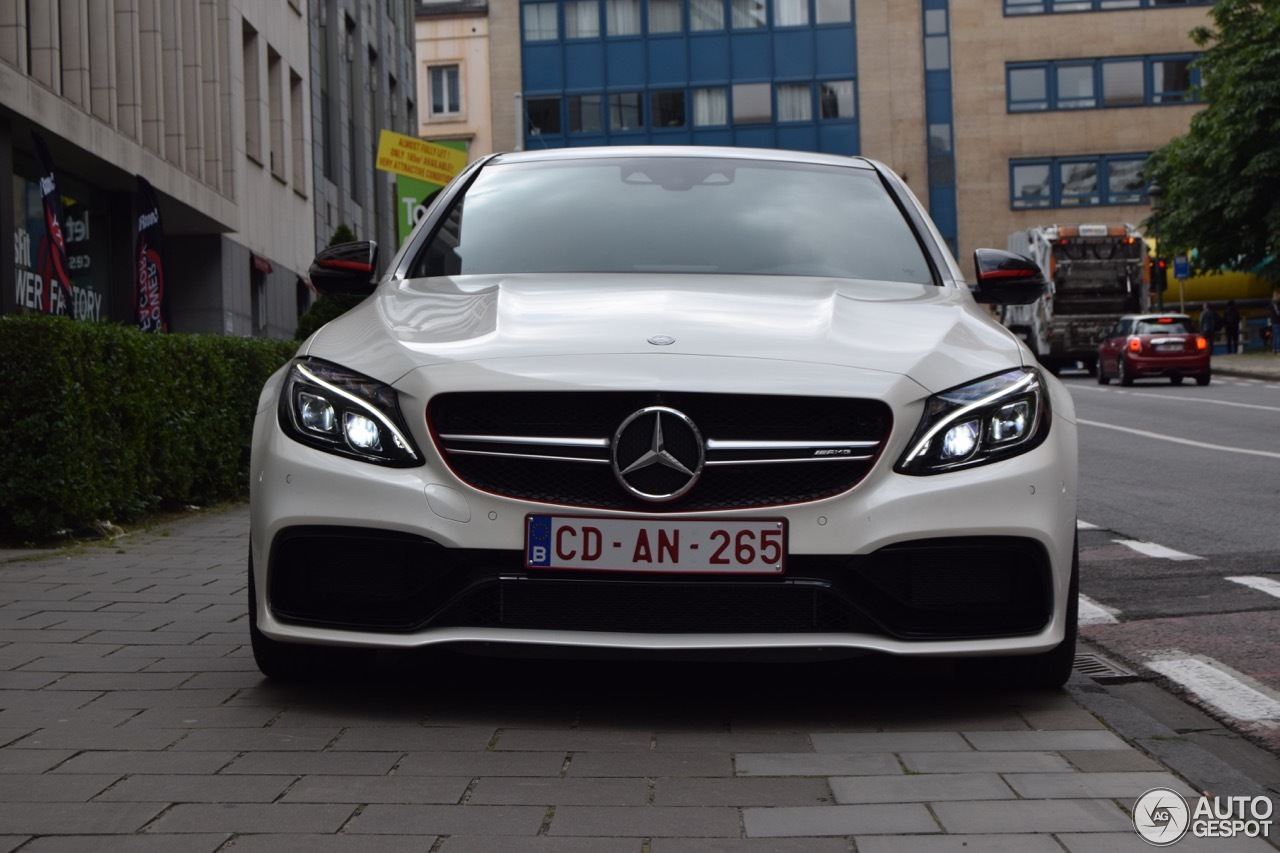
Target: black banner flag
[151,310]
[55,253]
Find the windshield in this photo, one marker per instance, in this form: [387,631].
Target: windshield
[667,214]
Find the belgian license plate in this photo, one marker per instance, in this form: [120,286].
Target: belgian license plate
[714,546]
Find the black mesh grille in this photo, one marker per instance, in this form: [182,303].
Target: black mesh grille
[719,417]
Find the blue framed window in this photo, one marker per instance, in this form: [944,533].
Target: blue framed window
[1085,84]
[1050,7]
[582,19]
[540,22]
[1085,181]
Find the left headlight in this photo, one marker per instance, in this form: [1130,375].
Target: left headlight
[336,410]
[985,421]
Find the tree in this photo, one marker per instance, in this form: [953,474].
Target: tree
[1221,180]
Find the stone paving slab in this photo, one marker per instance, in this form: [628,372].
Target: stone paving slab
[132,718]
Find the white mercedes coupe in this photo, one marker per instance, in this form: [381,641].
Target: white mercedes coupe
[671,401]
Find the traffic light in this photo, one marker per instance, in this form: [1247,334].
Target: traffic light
[1159,275]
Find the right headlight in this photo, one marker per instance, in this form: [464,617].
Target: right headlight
[982,422]
[342,412]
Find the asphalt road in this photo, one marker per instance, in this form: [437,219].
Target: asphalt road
[1180,546]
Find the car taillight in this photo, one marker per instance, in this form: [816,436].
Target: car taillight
[1201,343]
[1135,345]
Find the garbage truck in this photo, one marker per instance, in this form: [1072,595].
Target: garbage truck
[1096,273]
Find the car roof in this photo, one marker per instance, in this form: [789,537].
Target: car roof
[691,151]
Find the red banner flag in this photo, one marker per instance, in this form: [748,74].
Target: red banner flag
[54,254]
[150,308]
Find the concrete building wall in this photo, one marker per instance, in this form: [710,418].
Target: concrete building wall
[988,136]
[161,89]
[456,35]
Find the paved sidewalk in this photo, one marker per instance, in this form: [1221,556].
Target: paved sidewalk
[132,718]
[1251,365]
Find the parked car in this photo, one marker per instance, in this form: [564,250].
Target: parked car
[687,400]
[1143,346]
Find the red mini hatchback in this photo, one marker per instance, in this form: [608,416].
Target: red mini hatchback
[1153,345]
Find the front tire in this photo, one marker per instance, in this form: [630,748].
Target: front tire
[1103,378]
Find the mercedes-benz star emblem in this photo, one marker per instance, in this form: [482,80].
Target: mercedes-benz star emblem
[658,453]
[662,340]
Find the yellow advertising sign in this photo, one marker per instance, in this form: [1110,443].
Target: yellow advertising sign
[417,158]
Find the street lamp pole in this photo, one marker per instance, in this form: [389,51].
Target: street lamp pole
[1155,192]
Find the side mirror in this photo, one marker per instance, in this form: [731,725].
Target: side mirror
[346,269]
[1005,278]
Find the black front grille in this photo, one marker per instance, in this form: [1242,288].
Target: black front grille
[729,481]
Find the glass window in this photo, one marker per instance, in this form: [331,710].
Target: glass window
[625,112]
[836,98]
[540,22]
[833,11]
[1024,7]
[937,53]
[748,14]
[795,102]
[935,22]
[1078,183]
[623,17]
[1031,185]
[1028,89]
[940,138]
[751,103]
[710,107]
[790,13]
[1125,184]
[1075,87]
[699,214]
[543,115]
[664,16]
[706,15]
[1122,83]
[584,113]
[445,98]
[581,19]
[1171,80]
[667,109]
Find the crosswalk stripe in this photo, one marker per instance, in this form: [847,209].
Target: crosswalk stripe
[1214,686]
[1093,613]
[1266,585]
[1151,549]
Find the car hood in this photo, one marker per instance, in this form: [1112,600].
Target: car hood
[936,335]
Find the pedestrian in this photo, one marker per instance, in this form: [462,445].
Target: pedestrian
[1275,323]
[1231,323]
[1208,324]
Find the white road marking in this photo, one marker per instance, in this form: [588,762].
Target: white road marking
[1266,585]
[1084,525]
[1270,454]
[1093,613]
[1201,400]
[1151,549]
[1218,688]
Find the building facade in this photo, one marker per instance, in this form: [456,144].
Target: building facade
[363,81]
[453,74]
[206,100]
[1000,114]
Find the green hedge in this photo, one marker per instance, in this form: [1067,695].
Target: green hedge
[105,422]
